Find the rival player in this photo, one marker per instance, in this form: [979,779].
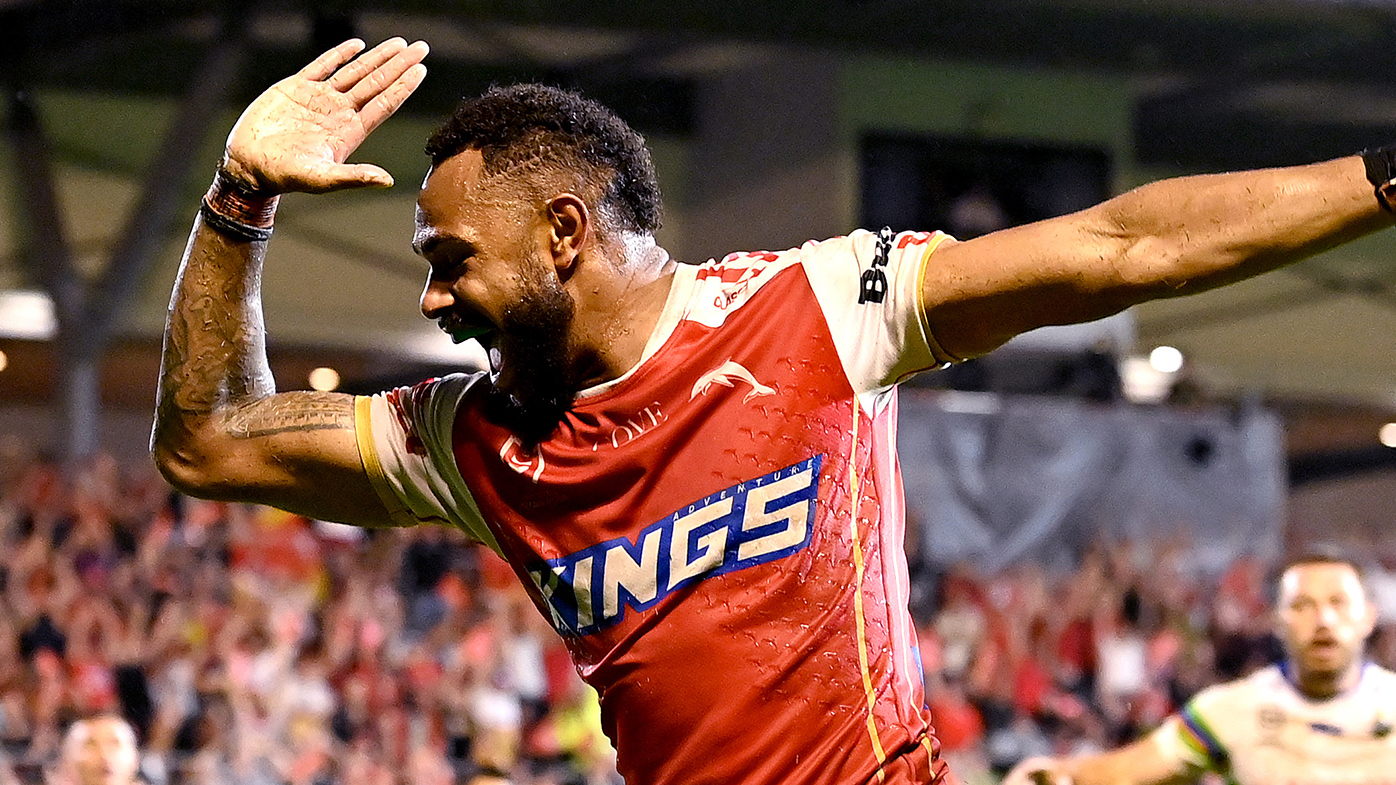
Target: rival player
[1324,716]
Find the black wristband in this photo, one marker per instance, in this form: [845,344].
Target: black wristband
[231,228]
[234,210]
[1381,173]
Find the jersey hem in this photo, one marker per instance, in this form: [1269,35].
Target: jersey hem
[937,351]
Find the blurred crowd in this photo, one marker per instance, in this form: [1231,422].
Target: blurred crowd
[249,646]
[1029,663]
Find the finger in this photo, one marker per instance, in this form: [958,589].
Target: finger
[386,75]
[388,101]
[325,64]
[345,78]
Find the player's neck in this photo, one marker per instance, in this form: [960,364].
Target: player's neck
[618,313]
[1324,686]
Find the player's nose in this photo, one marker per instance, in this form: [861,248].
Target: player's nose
[436,298]
[1327,616]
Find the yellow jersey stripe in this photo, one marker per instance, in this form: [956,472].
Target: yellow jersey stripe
[858,600]
[937,351]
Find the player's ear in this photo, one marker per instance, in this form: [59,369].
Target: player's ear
[569,223]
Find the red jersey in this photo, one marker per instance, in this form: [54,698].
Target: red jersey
[717,534]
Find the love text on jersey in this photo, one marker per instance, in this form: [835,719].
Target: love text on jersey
[753,522]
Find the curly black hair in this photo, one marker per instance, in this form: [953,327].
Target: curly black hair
[533,123]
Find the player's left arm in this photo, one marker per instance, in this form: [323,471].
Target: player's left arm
[1165,239]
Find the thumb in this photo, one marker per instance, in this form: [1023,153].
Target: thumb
[334,177]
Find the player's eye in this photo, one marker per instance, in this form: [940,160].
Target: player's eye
[447,267]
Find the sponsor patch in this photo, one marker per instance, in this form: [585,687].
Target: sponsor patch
[872,285]
[752,522]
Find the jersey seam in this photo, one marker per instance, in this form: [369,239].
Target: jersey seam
[859,615]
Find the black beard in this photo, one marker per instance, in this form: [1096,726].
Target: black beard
[533,339]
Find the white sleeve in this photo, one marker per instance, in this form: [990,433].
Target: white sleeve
[405,440]
[1188,741]
[869,288]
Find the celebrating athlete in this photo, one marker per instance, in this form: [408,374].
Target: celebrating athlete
[1323,716]
[692,468]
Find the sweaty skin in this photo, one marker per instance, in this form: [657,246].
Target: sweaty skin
[222,431]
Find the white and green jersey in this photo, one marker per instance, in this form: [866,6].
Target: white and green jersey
[1260,730]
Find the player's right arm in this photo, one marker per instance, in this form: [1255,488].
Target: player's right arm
[221,429]
[1179,750]
[1140,763]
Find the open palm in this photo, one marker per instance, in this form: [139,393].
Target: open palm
[297,135]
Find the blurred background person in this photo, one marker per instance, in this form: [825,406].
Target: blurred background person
[1324,714]
[98,750]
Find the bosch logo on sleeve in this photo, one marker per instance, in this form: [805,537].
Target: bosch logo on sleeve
[872,286]
[753,522]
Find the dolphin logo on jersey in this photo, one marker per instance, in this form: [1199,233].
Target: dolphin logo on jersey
[724,375]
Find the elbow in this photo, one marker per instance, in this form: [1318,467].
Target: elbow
[1149,268]
[180,469]
[184,464]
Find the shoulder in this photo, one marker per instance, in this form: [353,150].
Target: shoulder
[716,288]
[427,405]
[1219,700]
[742,266]
[1211,725]
[1379,680]
[431,393]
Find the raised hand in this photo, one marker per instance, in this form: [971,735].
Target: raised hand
[297,135]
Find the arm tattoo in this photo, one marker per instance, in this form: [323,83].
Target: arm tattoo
[292,412]
[214,340]
[221,429]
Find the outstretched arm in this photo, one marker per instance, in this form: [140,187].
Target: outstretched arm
[1140,763]
[1169,238]
[221,429]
